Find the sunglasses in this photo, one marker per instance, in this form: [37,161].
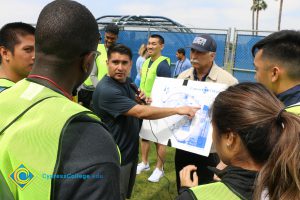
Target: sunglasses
[97,54]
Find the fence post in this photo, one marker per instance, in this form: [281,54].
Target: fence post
[233,48]
[227,51]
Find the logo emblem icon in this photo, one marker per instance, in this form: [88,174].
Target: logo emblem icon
[21,176]
[205,90]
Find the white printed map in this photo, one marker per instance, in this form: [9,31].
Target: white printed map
[178,131]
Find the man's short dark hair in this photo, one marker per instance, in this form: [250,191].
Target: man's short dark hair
[112,28]
[181,50]
[9,34]
[119,48]
[159,37]
[67,30]
[282,47]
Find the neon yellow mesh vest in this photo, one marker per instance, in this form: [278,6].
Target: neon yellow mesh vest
[100,63]
[29,144]
[5,83]
[294,108]
[214,191]
[149,74]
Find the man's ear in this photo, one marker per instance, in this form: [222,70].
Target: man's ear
[162,46]
[275,73]
[4,53]
[88,62]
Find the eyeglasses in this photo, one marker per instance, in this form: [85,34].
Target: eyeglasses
[97,54]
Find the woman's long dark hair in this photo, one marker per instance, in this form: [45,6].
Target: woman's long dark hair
[270,134]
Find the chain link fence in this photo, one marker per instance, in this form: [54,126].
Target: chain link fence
[241,56]
[233,48]
[134,36]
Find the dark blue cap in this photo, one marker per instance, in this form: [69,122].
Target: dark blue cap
[204,43]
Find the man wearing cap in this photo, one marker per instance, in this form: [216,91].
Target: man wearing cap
[203,53]
[182,64]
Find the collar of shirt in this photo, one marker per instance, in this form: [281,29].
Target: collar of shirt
[211,74]
[290,96]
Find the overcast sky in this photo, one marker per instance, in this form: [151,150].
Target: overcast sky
[192,13]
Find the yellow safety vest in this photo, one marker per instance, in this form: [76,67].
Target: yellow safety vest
[294,108]
[101,65]
[149,74]
[214,191]
[30,145]
[5,83]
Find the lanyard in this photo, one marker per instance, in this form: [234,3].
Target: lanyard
[176,67]
[65,93]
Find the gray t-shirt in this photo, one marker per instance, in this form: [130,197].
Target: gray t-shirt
[111,100]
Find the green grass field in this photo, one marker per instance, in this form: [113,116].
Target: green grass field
[165,189]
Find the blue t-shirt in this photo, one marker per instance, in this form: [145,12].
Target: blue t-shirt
[139,64]
[181,65]
[163,69]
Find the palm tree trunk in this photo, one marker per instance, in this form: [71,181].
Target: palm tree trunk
[253,15]
[257,15]
[280,12]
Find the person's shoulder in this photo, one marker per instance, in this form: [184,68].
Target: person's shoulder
[107,86]
[85,137]
[94,132]
[187,61]
[187,74]
[223,76]
[141,59]
[164,63]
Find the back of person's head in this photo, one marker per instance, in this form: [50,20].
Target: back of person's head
[250,110]
[66,30]
[159,37]
[269,134]
[119,48]
[181,50]
[10,33]
[112,28]
[282,47]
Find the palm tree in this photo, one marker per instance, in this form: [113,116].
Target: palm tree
[253,10]
[260,5]
[279,16]
[257,6]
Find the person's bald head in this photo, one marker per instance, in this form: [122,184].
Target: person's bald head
[66,29]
